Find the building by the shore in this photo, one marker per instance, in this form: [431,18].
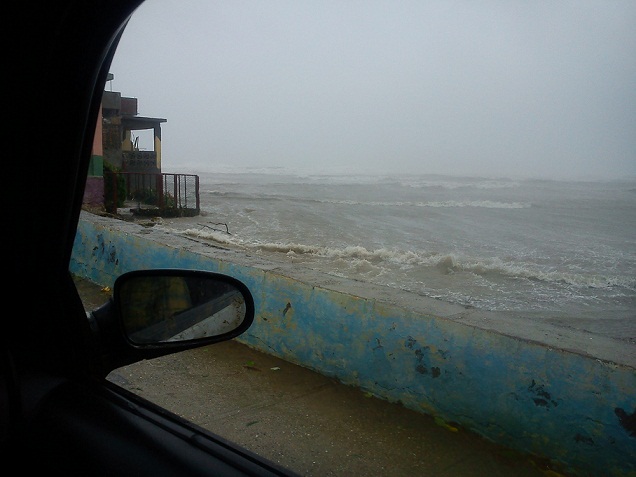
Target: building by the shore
[115,145]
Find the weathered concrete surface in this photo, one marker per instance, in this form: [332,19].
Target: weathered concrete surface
[537,387]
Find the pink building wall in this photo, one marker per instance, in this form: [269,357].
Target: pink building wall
[94,191]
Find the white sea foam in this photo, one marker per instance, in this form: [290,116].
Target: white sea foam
[452,185]
[489,204]
[491,243]
[361,259]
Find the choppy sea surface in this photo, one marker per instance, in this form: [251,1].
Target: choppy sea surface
[493,244]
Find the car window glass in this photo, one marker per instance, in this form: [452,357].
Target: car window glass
[478,155]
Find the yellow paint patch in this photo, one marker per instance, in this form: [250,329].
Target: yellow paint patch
[441,422]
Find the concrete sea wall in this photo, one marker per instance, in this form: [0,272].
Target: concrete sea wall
[557,393]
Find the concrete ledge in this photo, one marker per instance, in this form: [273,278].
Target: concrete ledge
[532,386]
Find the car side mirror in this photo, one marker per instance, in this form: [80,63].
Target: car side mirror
[167,307]
[162,311]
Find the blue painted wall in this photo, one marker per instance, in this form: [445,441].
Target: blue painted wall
[523,394]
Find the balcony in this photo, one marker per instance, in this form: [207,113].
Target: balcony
[152,194]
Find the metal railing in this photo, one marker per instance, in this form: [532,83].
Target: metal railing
[153,194]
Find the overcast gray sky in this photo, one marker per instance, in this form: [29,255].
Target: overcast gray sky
[489,88]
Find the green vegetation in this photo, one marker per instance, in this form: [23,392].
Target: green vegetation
[145,189]
[150,197]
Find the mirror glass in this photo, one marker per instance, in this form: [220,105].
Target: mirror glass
[167,308]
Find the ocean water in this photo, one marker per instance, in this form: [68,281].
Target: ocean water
[537,246]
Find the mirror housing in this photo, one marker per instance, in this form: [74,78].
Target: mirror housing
[157,312]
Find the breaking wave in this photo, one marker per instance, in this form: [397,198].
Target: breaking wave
[362,257]
[488,204]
